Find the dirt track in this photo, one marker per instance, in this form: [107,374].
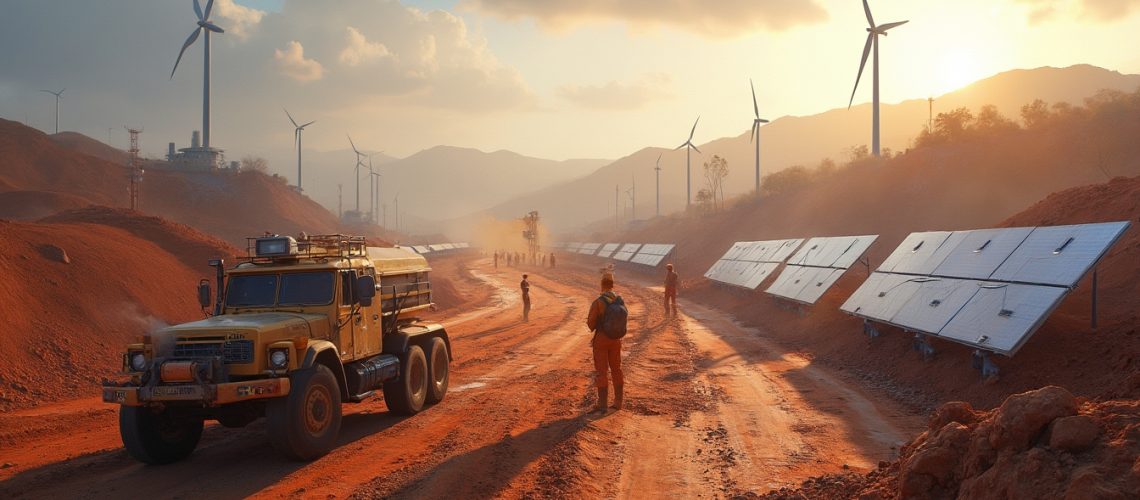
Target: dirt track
[712,409]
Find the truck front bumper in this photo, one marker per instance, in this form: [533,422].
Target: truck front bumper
[206,394]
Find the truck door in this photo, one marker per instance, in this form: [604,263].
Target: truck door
[347,316]
[368,334]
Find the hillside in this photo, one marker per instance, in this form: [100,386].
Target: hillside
[435,184]
[41,175]
[982,179]
[76,289]
[790,141]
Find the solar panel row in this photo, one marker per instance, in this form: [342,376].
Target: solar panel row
[989,288]
[439,247]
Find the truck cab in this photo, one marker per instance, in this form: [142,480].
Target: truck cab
[297,328]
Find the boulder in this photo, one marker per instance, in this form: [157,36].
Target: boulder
[1074,433]
[1022,417]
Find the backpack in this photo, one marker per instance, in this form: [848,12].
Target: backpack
[613,320]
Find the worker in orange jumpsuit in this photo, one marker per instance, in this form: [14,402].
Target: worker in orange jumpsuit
[607,351]
[671,280]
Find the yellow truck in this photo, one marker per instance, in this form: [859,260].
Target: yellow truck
[297,328]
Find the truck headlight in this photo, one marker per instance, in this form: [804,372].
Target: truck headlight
[137,360]
[278,358]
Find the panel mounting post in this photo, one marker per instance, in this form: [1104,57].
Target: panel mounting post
[1093,317]
[981,361]
[922,345]
[870,330]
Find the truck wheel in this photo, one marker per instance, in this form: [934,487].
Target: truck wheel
[438,372]
[158,438]
[405,394]
[305,424]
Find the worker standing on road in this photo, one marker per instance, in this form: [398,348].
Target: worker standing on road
[525,286]
[607,319]
[670,289]
[496,259]
[552,260]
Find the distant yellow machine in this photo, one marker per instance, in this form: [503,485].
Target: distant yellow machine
[299,327]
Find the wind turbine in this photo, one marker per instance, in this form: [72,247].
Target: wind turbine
[632,192]
[873,33]
[297,142]
[688,170]
[755,137]
[658,169]
[57,96]
[204,25]
[359,164]
[374,187]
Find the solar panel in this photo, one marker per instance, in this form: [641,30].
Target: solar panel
[1001,316]
[626,252]
[1060,255]
[651,254]
[608,249]
[817,265]
[988,288]
[589,248]
[748,263]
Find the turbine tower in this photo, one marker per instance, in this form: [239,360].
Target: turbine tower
[57,96]
[755,137]
[632,192]
[359,163]
[658,169]
[688,144]
[873,33]
[204,25]
[297,143]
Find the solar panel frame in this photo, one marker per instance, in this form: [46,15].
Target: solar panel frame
[982,323]
[978,253]
[746,263]
[608,250]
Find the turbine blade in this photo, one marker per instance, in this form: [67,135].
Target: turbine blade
[353,144]
[296,136]
[753,133]
[213,27]
[866,8]
[755,108]
[761,120]
[866,52]
[691,132]
[694,146]
[189,42]
[290,117]
[681,146]
[60,93]
[198,10]
[307,124]
[210,8]
[888,26]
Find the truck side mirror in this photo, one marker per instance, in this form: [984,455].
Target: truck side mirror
[365,290]
[204,293]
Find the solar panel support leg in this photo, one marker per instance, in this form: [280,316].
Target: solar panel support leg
[1093,317]
[870,329]
[923,346]
[981,361]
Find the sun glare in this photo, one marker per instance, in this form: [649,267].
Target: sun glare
[956,70]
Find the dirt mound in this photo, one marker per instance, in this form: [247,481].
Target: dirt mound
[91,147]
[189,245]
[32,205]
[1039,444]
[72,295]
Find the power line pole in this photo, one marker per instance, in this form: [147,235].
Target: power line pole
[930,115]
[136,171]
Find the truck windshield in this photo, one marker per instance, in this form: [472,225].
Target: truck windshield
[288,289]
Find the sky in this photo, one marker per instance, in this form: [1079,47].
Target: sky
[554,79]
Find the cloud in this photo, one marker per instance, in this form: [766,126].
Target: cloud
[724,18]
[1041,11]
[361,51]
[293,64]
[618,96]
[1108,10]
[238,20]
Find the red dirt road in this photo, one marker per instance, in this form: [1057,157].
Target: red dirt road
[713,409]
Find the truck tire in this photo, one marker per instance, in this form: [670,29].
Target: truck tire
[405,395]
[305,424]
[438,373]
[158,438]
